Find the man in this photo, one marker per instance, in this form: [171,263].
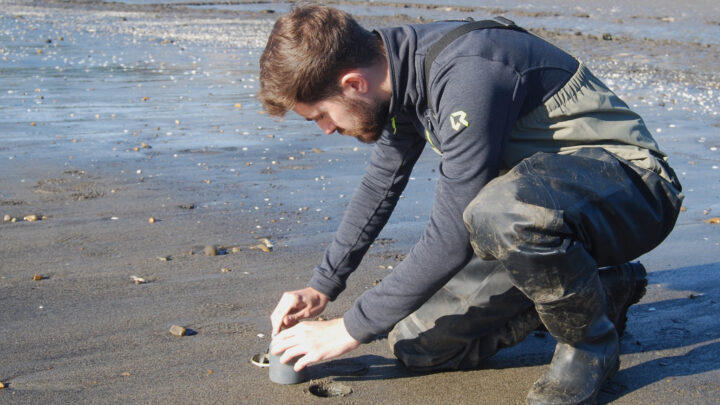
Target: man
[545,177]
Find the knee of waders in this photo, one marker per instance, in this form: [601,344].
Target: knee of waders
[502,219]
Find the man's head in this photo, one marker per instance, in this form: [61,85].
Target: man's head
[321,63]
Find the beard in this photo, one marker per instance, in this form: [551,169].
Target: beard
[372,117]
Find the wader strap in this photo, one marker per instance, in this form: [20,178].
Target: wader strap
[445,40]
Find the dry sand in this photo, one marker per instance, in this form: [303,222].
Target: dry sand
[115,113]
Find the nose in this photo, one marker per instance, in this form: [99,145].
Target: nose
[327,126]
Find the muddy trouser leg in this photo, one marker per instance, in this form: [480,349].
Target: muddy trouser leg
[550,222]
[475,314]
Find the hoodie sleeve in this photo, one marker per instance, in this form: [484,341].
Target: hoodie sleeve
[391,162]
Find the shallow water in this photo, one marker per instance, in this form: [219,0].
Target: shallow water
[90,87]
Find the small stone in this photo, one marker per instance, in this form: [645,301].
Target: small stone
[151,220]
[316,150]
[146,98]
[238,105]
[178,330]
[38,277]
[225,270]
[125,374]
[210,250]
[715,221]
[163,258]
[7,218]
[207,181]
[33,124]
[235,249]
[2,385]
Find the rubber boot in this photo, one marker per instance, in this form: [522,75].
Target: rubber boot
[624,286]
[587,352]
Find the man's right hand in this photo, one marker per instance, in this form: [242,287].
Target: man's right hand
[295,306]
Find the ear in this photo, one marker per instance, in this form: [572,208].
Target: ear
[355,82]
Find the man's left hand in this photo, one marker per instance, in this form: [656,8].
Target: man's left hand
[313,341]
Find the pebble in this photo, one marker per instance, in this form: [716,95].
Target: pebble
[38,277]
[715,220]
[2,385]
[225,270]
[210,250]
[7,218]
[151,220]
[178,330]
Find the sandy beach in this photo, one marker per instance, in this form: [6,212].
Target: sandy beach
[131,141]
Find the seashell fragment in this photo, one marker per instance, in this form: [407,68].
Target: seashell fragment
[261,246]
[178,330]
[138,280]
[261,360]
[266,241]
[31,218]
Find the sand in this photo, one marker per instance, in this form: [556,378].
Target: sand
[115,113]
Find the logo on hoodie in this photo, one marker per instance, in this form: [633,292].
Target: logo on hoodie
[458,120]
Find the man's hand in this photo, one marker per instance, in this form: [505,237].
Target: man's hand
[295,306]
[313,342]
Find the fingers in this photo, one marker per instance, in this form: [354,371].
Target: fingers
[288,302]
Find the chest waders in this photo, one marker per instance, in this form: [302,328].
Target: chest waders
[519,222]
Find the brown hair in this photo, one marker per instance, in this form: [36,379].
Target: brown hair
[307,52]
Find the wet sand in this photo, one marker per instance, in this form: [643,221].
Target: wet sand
[114,113]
